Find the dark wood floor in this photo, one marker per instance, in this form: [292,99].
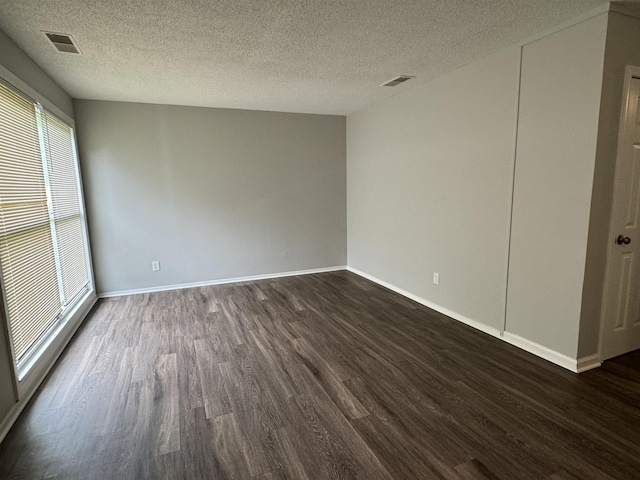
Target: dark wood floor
[322,376]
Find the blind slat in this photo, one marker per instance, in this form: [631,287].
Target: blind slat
[62,172]
[42,246]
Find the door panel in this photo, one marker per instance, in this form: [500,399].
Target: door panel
[621,321]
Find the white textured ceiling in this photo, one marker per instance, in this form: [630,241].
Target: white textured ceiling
[326,56]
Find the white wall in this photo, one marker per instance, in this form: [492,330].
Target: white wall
[557,133]
[429,177]
[211,193]
[623,38]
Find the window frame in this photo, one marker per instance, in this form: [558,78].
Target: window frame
[41,357]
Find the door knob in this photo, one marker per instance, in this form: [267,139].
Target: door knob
[622,239]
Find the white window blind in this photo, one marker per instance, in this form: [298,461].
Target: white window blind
[42,246]
[65,200]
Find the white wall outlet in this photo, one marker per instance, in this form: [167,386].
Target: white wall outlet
[436,278]
[155,265]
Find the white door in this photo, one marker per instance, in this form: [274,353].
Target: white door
[621,320]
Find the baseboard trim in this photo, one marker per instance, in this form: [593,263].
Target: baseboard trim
[572,364]
[206,283]
[25,396]
[445,311]
[541,351]
[588,363]
[575,365]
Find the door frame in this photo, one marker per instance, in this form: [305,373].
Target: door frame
[631,71]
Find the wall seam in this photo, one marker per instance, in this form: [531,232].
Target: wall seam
[513,188]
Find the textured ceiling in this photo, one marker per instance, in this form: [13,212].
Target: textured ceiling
[325,56]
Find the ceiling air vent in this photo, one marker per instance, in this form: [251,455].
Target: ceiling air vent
[396,81]
[63,42]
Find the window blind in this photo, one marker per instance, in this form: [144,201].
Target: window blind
[65,199]
[42,244]
[26,242]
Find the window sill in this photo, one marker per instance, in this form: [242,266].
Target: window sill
[31,373]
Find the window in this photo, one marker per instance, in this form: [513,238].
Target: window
[43,248]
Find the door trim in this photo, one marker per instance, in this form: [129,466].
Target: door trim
[631,71]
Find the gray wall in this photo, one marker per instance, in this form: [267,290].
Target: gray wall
[21,66]
[429,185]
[557,132]
[210,193]
[623,39]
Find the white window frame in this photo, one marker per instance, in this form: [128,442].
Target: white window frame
[35,365]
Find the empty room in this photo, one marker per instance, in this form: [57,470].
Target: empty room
[309,240]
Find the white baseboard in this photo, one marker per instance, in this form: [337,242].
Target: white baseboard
[541,351]
[572,364]
[588,363]
[575,365]
[445,311]
[206,283]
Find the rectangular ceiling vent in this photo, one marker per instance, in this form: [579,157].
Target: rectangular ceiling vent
[63,42]
[397,81]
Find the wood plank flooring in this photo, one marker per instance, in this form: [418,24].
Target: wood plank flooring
[325,376]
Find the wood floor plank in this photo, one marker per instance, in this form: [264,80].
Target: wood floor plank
[216,401]
[329,379]
[317,418]
[402,455]
[475,470]
[277,475]
[291,456]
[166,405]
[201,460]
[230,446]
[324,376]
[254,414]
[266,357]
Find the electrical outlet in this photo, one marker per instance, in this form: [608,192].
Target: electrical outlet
[436,278]
[155,265]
